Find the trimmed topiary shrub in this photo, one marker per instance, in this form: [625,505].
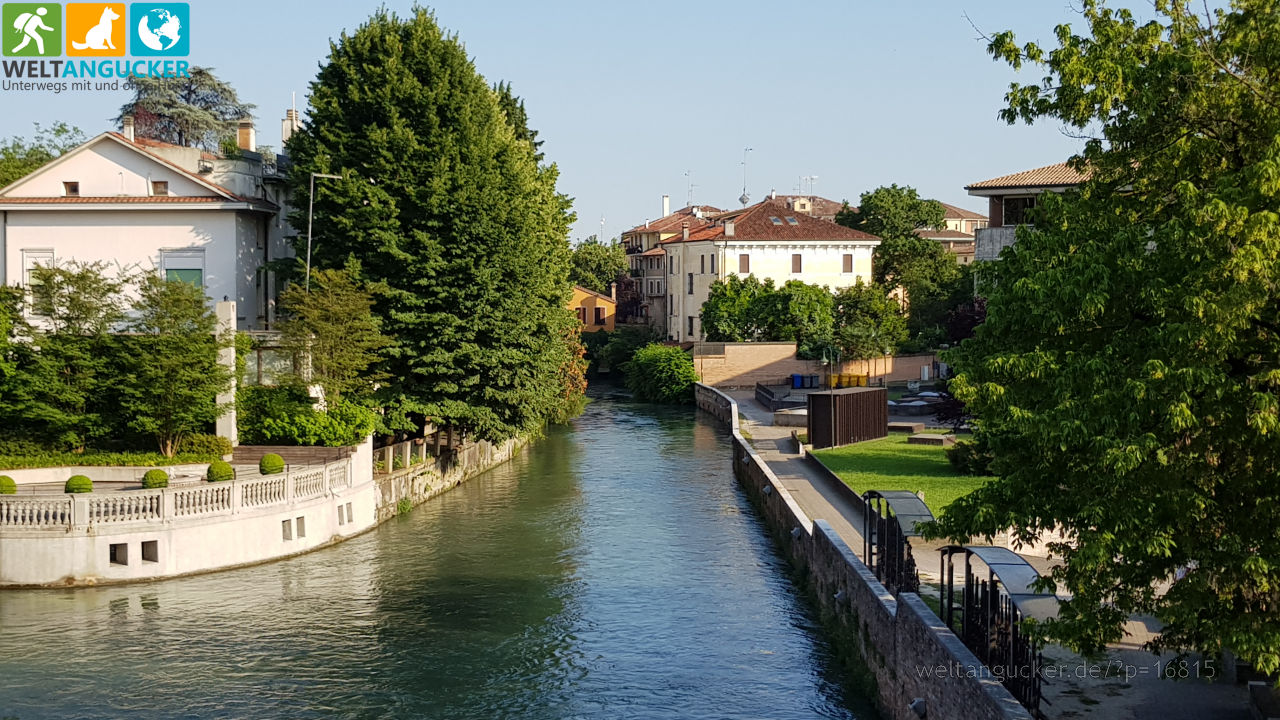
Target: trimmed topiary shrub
[8,486]
[77,484]
[271,464]
[661,374]
[208,445]
[220,471]
[155,479]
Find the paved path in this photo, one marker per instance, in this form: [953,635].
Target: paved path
[1141,696]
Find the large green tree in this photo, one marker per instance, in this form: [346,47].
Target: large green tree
[868,323]
[458,229]
[174,376]
[199,110]
[333,325]
[728,314]
[1127,376]
[892,212]
[597,265]
[20,157]
[56,394]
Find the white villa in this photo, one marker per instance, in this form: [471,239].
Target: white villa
[139,204]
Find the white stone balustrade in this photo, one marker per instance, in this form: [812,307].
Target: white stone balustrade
[168,505]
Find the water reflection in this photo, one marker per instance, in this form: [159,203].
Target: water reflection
[613,570]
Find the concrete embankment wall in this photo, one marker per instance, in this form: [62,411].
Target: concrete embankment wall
[419,483]
[904,646]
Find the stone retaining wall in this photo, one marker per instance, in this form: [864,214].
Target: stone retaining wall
[904,646]
[419,483]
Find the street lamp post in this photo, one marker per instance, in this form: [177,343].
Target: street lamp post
[311,207]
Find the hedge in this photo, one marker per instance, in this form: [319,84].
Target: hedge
[271,464]
[98,459]
[220,471]
[661,374]
[155,479]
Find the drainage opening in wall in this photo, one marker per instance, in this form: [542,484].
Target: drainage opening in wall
[348,512]
[342,516]
[119,553]
[151,551]
[301,524]
[286,529]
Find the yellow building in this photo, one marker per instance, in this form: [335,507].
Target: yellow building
[595,311]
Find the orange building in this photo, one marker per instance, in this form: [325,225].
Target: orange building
[596,311]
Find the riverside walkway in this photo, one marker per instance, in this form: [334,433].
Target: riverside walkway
[1138,692]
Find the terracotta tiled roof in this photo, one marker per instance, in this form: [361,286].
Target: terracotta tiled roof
[150,143]
[121,200]
[954,213]
[1056,175]
[593,293]
[758,223]
[674,221]
[819,206]
[943,234]
[653,252]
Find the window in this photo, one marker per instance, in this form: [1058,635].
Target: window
[672,267]
[690,326]
[151,551]
[183,265]
[775,220]
[796,264]
[792,221]
[582,315]
[702,263]
[599,316]
[848,263]
[348,512]
[118,553]
[690,283]
[301,524]
[71,189]
[713,264]
[342,517]
[744,264]
[286,529]
[160,187]
[1017,211]
[37,301]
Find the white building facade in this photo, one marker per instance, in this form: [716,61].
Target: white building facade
[137,205]
[768,240]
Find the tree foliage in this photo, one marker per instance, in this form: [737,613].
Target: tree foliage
[20,157]
[175,377]
[196,111]
[892,212]
[729,314]
[661,374]
[596,265]
[1126,375]
[458,229]
[868,323]
[332,324]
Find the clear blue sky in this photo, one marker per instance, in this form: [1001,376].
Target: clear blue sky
[628,96]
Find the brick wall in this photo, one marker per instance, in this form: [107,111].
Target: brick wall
[742,365]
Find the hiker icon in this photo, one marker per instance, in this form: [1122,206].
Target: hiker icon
[30,25]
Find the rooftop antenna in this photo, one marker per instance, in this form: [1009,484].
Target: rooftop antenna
[600,237]
[813,180]
[689,174]
[745,197]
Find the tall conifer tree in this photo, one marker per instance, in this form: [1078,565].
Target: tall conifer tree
[456,226]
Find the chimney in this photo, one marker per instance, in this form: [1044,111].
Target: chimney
[685,227]
[289,126]
[246,138]
[666,205]
[773,194]
[126,127]
[613,291]
[728,228]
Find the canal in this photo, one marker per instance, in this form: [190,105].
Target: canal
[613,570]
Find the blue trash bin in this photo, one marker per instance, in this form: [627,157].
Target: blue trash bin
[797,381]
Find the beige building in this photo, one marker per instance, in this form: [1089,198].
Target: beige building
[769,240]
[642,299]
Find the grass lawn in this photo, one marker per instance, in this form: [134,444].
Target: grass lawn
[892,464]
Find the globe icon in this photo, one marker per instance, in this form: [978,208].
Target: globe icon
[160,30]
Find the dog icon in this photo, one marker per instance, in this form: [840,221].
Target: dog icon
[99,36]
